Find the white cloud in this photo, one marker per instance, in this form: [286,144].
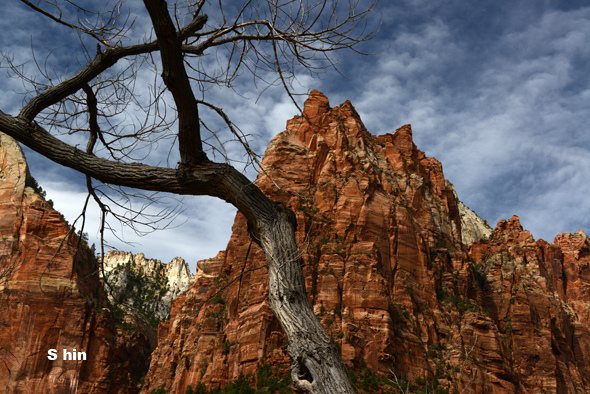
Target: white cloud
[505,111]
[198,233]
[506,138]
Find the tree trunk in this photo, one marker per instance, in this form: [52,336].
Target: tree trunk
[316,365]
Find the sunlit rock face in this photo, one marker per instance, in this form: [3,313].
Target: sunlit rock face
[389,275]
[538,297]
[473,228]
[51,298]
[145,286]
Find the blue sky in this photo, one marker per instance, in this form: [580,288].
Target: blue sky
[498,92]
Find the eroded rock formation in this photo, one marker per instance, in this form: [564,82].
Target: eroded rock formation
[535,336]
[145,286]
[414,295]
[389,277]
[51,298]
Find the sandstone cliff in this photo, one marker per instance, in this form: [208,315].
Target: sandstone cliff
[389,276]
[145,287]
[51,298]
[535,336]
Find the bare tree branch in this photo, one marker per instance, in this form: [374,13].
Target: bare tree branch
[269,41]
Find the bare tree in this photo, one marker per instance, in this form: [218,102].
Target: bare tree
[192,45]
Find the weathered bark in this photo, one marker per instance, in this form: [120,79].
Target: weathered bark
[316,365]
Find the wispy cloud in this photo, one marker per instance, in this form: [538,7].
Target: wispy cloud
[507,120]
[497,91]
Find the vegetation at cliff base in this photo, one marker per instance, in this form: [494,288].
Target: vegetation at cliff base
[140,298]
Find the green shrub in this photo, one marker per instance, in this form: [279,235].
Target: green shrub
[227,345]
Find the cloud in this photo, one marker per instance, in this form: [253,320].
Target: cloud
[497,91]
[506,120]
[198,233]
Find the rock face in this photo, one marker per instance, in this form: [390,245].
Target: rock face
[145,286]
[410,284]
[51,298]
[473,228]
[389,276]
[536,337]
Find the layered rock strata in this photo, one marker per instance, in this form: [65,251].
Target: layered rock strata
[51,298]
[535,334]
[389,276]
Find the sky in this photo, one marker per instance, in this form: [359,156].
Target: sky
[498,92]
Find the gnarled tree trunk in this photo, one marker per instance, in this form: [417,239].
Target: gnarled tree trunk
[317,366]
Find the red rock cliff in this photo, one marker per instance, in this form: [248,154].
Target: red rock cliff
[536,337]
[387,274]
[51,298]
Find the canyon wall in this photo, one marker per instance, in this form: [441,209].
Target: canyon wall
[411,285]
[51,298]
[406,301]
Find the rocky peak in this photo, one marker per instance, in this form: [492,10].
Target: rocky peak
[473,228]
[145,286]
[512,231]
[369,210]
[380,236]
[316,107]
[403,140]
[338,128]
